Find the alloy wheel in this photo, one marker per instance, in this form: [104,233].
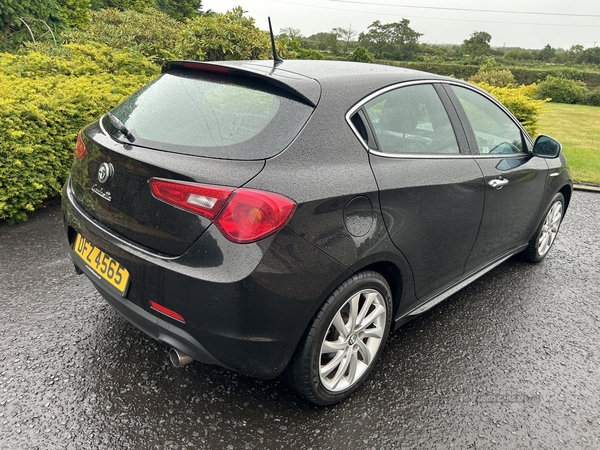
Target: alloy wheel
[352,340]
[550,228]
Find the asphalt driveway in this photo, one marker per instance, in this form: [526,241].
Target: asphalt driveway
[512,361]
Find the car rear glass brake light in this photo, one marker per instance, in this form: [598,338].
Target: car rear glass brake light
[242,215]
[80,150]
[205,67]
[199,199]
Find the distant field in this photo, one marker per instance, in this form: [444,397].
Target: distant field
[577,127]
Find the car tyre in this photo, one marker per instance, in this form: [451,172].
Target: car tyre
[545,235]
[344,341]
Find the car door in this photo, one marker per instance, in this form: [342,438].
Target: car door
[430,188]
[514,179]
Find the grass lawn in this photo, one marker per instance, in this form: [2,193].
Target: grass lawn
[577,127]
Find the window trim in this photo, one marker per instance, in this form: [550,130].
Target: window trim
[455,119]
[526,139]
[462,141]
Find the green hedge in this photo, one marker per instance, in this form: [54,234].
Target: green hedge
[527,75]
[462,71]
[592,98]
[46,99]
[523,75]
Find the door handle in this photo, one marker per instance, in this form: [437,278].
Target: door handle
[497,183]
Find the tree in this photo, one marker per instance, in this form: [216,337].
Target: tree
[396,40]
[12,29]
[518,54]
[290,33]
[546,54]
[177,9]
[136,5]
[331,40]
[589,56]
[361,54]
[478,44]
[294,48]
[317,41]
[346,35]
[75,13]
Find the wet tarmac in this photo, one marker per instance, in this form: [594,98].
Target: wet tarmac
[512,361]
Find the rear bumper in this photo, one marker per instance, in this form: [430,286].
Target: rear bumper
[161,330]
[245,306]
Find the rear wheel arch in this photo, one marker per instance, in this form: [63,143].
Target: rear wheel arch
[392,274]
[543,238]
[566,191]
[387,269]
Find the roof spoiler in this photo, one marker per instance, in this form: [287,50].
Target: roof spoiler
[305,89]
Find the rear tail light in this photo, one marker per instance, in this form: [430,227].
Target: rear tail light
[250,215]
[242,215]
[205,201]
[79,147]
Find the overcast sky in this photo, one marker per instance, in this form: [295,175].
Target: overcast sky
[512,23]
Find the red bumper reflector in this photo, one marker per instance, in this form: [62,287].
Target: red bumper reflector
[166,311]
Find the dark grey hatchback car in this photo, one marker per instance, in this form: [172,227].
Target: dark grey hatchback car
[282,219]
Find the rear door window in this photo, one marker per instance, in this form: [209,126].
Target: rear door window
[211,115]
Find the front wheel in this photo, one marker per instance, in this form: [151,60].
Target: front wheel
[344,340]
[544,237]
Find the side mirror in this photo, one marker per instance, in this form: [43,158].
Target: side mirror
[546,147]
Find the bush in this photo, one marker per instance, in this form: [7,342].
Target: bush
[213,37]
[152,33]
[40,60]
[592,98]
[220,37]
[309,53]
[490,73]
[46,99]
[498,78]
[292,49]
[361,54]
[519,102]
[561,90]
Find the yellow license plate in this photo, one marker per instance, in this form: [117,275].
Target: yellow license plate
[101,264]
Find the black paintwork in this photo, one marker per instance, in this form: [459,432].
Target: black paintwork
[424,223]
[137,215]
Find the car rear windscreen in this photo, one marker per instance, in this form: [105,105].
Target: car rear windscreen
[211,115]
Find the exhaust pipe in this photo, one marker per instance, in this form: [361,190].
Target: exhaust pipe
[178,358]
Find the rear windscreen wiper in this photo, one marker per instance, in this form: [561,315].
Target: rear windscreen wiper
[119,126]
